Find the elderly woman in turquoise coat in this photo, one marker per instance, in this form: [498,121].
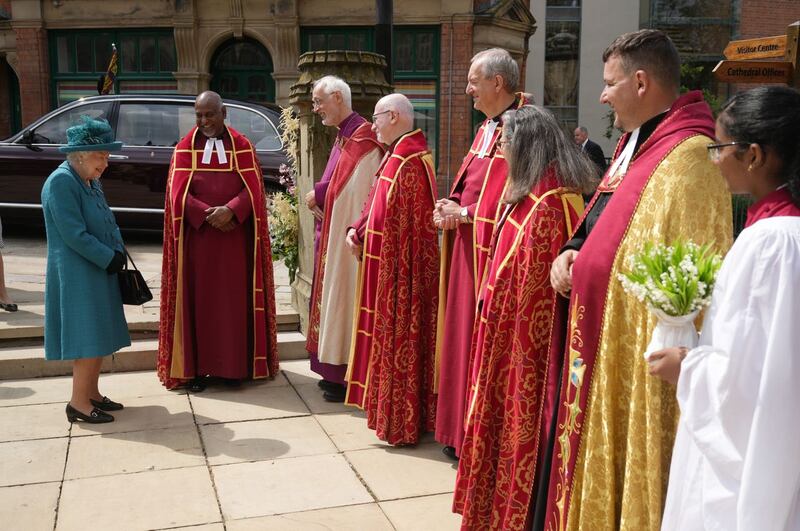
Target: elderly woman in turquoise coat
[84,319]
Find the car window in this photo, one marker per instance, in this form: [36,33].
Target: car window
[255,127]
[54,130]
[153,124]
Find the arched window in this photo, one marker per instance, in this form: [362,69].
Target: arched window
[242,70]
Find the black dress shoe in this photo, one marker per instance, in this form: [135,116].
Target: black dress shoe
[198,385]
[9,307]
[232,382]
[106,404]
[450,452]
[325,384]
[335,396]
[95,417]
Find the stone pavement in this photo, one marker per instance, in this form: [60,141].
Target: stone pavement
[271,455]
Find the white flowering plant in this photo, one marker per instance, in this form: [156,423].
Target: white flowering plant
[677,279]
[284,221]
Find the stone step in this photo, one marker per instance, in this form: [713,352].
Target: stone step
[33,327]
[25,358]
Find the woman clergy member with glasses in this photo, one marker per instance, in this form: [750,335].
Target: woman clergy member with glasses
[84,320]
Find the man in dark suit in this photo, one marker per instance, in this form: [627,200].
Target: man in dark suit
[594,151]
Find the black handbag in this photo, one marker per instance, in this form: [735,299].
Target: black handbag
[132,286]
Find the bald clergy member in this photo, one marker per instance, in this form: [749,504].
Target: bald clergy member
[336,200]
[614,424]
[468,216]
[217,291]
[391,364]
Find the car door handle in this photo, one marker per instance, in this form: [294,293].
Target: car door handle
[118,157]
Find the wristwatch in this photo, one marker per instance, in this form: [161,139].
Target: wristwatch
[464,215]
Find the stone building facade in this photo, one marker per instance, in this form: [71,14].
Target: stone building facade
[53,51]
[565,67]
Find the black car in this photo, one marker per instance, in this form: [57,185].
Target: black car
[134,183]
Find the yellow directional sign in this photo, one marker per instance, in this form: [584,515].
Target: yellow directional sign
[754,71]
[762,48]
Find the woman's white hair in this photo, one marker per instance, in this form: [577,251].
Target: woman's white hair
[74,157]
[331,84]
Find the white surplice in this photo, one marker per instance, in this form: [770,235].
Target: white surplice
[736,462]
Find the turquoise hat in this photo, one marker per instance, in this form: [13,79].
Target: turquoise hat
[90,135]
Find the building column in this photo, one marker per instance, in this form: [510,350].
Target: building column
[364,72]
[455,106]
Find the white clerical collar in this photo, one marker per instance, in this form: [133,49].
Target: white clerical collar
[488,133]
[214,144]
[624,159]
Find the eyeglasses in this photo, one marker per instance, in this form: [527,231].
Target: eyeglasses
[375,116]
[714,149]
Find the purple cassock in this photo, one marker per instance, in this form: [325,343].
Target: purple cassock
[332,373]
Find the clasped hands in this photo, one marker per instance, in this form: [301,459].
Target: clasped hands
[352,244]
[221,218]
[446,214]
[311,203]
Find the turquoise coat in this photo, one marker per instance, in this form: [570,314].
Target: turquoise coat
[83,308]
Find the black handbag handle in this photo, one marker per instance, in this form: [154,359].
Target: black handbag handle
[128,255]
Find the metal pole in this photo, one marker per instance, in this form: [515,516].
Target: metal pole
[383,34]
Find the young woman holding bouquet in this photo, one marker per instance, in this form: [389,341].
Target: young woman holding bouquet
[736,463]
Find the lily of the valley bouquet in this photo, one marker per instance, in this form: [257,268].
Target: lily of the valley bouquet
[676,282]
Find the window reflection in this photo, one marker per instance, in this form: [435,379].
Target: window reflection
[562,60]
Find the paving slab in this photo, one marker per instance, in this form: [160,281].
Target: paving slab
[39,421]
[30,507]
[251,402]
[36,461]
[312,396]
[349,431]
[261,440]
[367,517]
[404,472]
[287,485]
[426,512]
[35,391]
[137,451]
[205,527]
[144,413]
[126,385]
[145,500]
[299,372]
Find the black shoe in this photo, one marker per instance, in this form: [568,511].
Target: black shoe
[450,452]
[198,385]
[95,417]
[232,382]
[106,404]
[9,307]
[335,396]
[327,385]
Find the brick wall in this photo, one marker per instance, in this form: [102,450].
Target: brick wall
[763,18]
[454,110]
[5,100]
[34,73]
